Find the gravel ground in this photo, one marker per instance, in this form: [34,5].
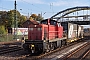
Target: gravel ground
[13,55]
[78,55]
[18,54]
[61,53]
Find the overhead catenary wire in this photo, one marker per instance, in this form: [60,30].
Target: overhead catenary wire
[23,12]
[39,8]
[33,5]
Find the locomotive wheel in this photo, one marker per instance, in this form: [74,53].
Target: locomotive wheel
[25,46]
[48,48]
[51,46]
[55,46]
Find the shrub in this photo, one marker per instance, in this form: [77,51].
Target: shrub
[2,29]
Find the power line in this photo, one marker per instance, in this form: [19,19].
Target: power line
[40,8]
[29,9]
[32,5]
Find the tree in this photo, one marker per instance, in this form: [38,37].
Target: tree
[10,18]
[3,17]
[31,18]
[2,29]
[22,19]
[11,21]
[7,20]
[34,16]
[39,17]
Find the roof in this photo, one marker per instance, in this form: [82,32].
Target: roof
[31,21]
[34,22]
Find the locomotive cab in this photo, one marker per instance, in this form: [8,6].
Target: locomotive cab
[49,35]
[43,37]
[49,21]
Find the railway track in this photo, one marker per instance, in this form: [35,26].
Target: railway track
[10,43]
[78,54]
[85,55]
[42,56]
[9,49]
[52,55]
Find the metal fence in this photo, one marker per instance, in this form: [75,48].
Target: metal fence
[10,37]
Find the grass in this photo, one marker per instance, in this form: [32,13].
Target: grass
[5,38]
[9,37]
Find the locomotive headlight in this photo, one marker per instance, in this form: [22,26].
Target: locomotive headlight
[32,45]
[44,40]
[35,25]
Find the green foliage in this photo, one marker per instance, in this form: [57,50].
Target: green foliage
[11,17]
[7,18]
[2,29]
[3,17]
[6,38]
[22,19]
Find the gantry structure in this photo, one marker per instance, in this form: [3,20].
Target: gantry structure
[79,15]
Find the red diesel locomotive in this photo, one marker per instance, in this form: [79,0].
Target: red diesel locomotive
[49,35]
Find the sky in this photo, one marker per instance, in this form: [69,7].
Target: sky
[47,8]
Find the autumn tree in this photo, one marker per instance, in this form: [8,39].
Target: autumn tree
[3,17]
[39,17]
[36,17]
[7,19]
[33,16]
[22,20]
